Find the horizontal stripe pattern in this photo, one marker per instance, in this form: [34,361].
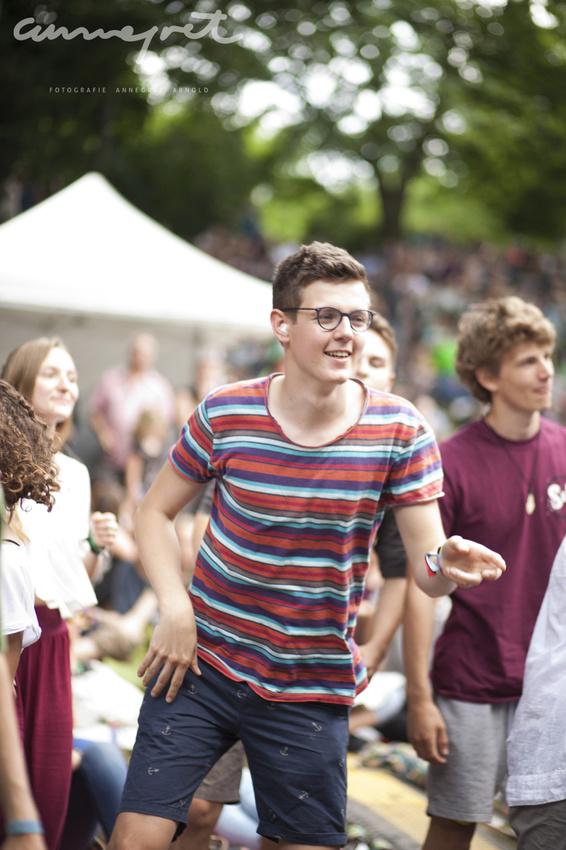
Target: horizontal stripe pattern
[280,575]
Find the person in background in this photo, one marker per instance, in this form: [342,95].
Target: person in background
[500,473]
[536,747]
[376,368]
[24,830]
[27,470]
[149,452]
[122,394]
[65,545]
[378,621]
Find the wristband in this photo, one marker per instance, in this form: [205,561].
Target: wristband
[94,547]
[433,563]
[23,827]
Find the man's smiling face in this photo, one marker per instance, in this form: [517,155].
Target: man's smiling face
[329,357]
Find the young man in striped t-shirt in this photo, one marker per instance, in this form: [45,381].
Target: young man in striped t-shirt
[304,464]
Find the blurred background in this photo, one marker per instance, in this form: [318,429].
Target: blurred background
[426,138]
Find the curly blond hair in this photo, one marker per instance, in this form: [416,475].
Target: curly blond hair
[489,330]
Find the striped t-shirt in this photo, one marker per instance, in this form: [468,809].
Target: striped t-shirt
[280,573]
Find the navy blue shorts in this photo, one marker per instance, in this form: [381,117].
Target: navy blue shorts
[296,753]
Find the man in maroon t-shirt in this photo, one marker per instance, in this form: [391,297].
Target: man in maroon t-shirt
[504,486]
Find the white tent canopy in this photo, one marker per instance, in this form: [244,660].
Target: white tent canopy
[87,251]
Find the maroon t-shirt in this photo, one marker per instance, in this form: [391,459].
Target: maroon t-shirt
[480,656]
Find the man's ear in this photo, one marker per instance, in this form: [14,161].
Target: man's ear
[488,381]
[280,326]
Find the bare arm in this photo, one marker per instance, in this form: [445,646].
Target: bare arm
[386,619]
[103,431]
[425,726]
[464,563]
[13,652]
[173,647]
[16,800]
[133,475]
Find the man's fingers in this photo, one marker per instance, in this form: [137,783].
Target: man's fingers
[176,682]
[492,575]
[194,666]
[163,679]
[426,749]
[443,744]
[146,661]
[462,578]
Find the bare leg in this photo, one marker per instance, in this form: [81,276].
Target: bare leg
[361,716]
[444,834]
[203,815]
[141,832]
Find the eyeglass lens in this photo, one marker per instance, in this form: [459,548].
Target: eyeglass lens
[329,318]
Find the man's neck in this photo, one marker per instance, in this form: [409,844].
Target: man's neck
[315,418]
[512,424]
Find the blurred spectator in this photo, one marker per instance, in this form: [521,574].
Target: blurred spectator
[122,394]
[151,443]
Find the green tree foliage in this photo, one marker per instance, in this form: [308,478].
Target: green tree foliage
[509,145]
[467,93]
[71,103]
[463,94]
[187,171]
[49,133]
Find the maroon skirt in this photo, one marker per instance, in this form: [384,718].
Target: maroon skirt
[45,714]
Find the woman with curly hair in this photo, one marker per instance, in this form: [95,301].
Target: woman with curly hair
[27,471]
[65,543]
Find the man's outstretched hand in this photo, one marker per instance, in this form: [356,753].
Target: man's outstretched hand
[467,564]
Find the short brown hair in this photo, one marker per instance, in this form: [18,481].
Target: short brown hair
[27,469]
[22,368]
[317,261]
[489,330]
[381,326]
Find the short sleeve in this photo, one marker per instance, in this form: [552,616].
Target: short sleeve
[416,472]
[191,455]
[18,613]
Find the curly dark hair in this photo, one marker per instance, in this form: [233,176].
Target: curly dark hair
[27,450]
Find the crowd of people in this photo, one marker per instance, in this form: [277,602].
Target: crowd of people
[422,286]
[289,504]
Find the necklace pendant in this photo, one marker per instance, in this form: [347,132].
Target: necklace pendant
[530,504]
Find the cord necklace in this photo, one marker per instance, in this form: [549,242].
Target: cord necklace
[531,502]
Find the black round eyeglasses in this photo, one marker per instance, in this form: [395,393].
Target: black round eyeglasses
[329,317]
